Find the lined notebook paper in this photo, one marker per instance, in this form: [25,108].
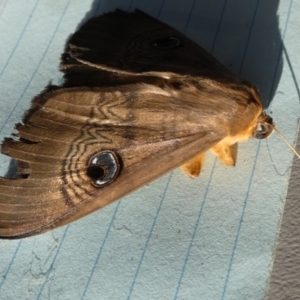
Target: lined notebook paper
[176,238]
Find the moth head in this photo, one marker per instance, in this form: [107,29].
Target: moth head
[264,127]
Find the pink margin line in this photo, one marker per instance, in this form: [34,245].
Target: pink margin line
[2,6]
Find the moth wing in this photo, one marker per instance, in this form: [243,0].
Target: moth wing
[149,130]
[135,43]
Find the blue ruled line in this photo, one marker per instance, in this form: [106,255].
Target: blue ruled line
[100,251]
[19,39]
[149,237]
[195,230]
[10,264]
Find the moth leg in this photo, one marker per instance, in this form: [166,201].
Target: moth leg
[193,167]
[226,153]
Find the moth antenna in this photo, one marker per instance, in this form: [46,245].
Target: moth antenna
[287,142]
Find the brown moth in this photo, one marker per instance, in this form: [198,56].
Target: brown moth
[139,99]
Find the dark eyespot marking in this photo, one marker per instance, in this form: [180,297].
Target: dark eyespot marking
[167,43]
[103,168]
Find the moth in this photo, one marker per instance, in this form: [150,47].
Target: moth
[138,100]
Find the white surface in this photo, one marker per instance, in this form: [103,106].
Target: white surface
[177,238]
